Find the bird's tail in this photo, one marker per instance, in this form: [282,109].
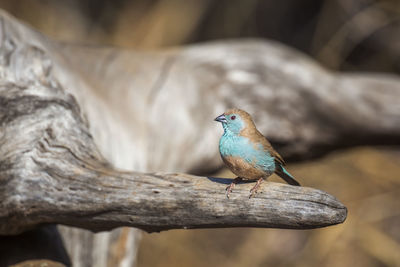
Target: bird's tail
[285,175]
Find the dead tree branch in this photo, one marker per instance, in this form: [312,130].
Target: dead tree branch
[52,172]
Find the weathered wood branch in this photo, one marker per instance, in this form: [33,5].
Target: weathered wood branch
[52,173]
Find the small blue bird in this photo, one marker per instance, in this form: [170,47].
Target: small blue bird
[247,153]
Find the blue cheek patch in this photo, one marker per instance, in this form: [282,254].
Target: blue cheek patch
[233,126]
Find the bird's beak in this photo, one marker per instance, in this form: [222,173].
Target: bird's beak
[221,118]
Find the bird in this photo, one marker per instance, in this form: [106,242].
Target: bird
[247,153]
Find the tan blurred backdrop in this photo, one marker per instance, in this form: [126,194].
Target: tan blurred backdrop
[350,35]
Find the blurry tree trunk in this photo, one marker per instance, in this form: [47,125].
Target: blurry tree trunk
[153,111]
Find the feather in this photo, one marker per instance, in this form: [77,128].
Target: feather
[285,175]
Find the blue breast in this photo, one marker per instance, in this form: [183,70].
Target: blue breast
[239,146]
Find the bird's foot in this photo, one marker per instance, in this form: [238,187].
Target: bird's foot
[253,191]
[230,187]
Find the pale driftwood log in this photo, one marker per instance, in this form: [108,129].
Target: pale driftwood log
[52,172]
[152,111]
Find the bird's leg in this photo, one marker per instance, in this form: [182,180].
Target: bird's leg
[230,187]
[253,191]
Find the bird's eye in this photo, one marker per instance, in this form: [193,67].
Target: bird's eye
[233,117]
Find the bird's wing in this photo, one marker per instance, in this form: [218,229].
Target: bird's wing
[267,146]
[255,136]
[278,157]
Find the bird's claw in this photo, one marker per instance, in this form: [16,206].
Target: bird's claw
[230,187]
[255,188]
[252,193]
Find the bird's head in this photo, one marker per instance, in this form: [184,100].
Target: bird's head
[235,120]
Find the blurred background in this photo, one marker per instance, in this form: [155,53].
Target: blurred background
[362,35]
[345,35]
